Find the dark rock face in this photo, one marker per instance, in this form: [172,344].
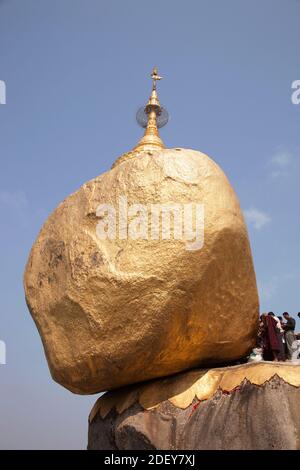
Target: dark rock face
[250,417]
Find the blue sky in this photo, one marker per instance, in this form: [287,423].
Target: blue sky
[75,73]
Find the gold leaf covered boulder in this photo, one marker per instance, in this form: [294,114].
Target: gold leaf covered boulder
[140,303]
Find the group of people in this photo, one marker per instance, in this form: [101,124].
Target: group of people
[276,337]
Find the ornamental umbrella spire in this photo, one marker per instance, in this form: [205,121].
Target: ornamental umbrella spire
[152,116]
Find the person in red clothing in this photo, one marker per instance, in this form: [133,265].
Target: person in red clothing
[280,335]
[271,346]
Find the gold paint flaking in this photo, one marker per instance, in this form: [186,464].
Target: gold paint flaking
[183,388]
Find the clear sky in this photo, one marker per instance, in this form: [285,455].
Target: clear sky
[75,73]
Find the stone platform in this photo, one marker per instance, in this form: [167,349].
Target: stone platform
[249,406]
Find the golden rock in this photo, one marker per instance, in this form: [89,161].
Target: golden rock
[143,302]
[113,312]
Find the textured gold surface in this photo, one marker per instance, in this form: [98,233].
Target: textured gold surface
[115,312]
[183,388]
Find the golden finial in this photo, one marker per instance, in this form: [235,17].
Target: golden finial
[151,116]
[151,139]
[155,77]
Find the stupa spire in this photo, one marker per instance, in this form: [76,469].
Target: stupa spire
[152,116]
[151,138]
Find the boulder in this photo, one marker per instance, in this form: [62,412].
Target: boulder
[132,307]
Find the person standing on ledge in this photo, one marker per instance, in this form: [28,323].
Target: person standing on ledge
[289,328]
[279,334]
[270,343]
